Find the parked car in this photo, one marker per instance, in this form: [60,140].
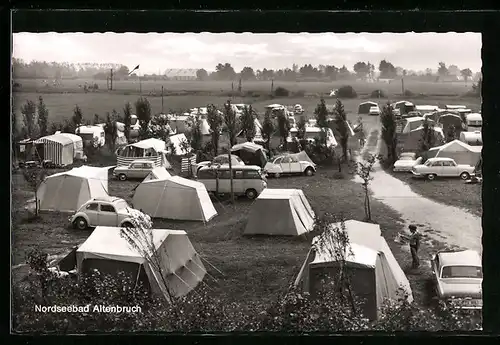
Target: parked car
[442,167]
[221,160]
[375,111]
[108,211]
[289,164]
[406,163]
[136,170]
[458,275]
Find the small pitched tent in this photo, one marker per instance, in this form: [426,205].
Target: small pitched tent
[67,191]
[157,173]
[280,212]
[174,197]
[108,252]
[375,273]
[250,153]
[461,152]
[58,148]
[364,108]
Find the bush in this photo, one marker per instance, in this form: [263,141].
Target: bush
[408,93]
[299,93]
[377,94]
[281,92]
[346,91]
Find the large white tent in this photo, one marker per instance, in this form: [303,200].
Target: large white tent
[461,152]
[108,252]
[374,272]
[174,197]
[280,212]
[157,173]
[67,191]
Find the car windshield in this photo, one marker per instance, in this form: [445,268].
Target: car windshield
[462,272]
[428,163]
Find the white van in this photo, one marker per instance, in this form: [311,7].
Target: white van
[248,180]
[91,134]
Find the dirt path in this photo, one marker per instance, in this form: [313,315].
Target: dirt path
[441,222]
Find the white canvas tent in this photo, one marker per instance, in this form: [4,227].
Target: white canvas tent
[364,108]
[280,212]
[177,140]
[461,152]
[174,197]
[375,273]
[77,144]
[108,252]
[157,173]
[67,191]
[57,148]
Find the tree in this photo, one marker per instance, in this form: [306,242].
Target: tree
[342,127]
[301,131]
[247,73]
[96,119]
[30,118]
[284,127]
[143,112]
[127,120]
[453,70]
[248,123]
[123,71]
[110,129]
[224,72]
[451,133]
[428,137]
[77,119]
[331,72]
[268,128]
[196,136]
[344,73]
[364,170]
[361,69]
[215,121]
[321,114]
[387,70]
[201,74]
[43,117]
[34,177]
[442,70]
[466,74]
[230,122]
[388,120]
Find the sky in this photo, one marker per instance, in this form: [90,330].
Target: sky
[156,52]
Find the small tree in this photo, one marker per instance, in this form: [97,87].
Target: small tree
[321,114]
[301,131]
[111,131]
[268,128]
[43,117]
[30,119]
[127,120]
[96,120]
[143,112]
[248,123]
[54,127]
[77,119]
[364,170]
[230,122]
[428,137]
[389,135]
[34,177]
[342,127]
[451,133]
[215,121]
[284,127]
[196,136]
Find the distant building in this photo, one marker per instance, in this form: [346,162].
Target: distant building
[181,74]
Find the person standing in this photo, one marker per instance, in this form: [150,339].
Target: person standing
[414,245]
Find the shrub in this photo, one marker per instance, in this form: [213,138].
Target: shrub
[408,93]
[377,94]
[299,93]
[281,92]
[346,91]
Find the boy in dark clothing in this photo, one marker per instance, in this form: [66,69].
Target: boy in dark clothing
[414,245]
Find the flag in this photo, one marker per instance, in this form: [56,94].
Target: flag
[135,68]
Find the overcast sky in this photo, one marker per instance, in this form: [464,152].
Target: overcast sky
[157,52]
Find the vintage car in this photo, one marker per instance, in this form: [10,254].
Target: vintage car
[458,275]
[138,169]
[221,160]
[405,163]
[375,111]
[107,211]
[442,167]
[289,164]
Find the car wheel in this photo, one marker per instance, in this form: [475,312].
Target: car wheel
[309,171]
[465,175]
[251,194]
[277,175]
[122,177]
[431,177]
[81,223]
[127,225]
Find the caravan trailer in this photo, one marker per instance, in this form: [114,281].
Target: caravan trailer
[91,135]
[474,122]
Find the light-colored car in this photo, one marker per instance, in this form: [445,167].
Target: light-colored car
[221,160]
[108,211]
[442,167]
[297,109]
[138,169]
[458,275]
[288,164]
[406,163]
[374,111]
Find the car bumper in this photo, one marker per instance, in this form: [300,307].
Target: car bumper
[416,174]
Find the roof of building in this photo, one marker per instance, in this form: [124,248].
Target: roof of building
[180,72]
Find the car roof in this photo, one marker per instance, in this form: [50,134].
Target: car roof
[226,166]
[440,159]
[458,258]
[105,198]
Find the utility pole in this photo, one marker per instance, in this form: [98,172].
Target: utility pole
[231,116]
[402,86]
[162,99]
[272,86]
[231,176]
[111,80]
